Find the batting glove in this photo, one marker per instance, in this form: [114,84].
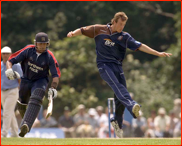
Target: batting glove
[12,75]
[52,92]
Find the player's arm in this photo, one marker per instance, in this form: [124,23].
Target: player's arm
[20,55]
[13,59]
[8,64]
[10,74]
[56,74]
[19,70]
[74,33]
[147,49]
[55,82]
[88,31]
[17,57]
[52,90]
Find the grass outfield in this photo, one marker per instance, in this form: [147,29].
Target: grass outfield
[91,141]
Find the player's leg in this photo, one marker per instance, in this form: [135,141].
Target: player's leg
[119,111]
[3,98]
[14,123]
[117,120]
[21,107]
[121,78]
[34,104]
[24,95]
[107,74]
[9,102]
[14,126]
[6,116]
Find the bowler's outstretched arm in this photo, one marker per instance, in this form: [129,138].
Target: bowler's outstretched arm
[147,49]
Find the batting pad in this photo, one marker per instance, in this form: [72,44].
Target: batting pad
[33,107]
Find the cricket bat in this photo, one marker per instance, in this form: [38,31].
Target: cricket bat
[49,108]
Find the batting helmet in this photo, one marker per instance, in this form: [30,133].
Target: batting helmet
[41,37]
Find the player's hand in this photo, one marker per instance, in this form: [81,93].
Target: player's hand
[70,34]
[12,75]
[164,54]
[52,92]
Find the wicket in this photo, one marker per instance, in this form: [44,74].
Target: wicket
[109,100]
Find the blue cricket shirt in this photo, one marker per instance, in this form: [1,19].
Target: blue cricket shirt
[36,67]
[110,47]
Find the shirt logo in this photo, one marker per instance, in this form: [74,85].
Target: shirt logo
[34,67]
[43,38]
[120,38]
[109,43]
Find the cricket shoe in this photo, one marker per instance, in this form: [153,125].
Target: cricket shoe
[24,130]
[117,130]
[136,109]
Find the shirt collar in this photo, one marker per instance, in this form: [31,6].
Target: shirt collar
[36,51]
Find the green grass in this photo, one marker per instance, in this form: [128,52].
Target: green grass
[91,141]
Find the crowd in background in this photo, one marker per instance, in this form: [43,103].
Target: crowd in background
[93,122]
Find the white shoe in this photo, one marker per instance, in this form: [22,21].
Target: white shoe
[117,130]
[136,109]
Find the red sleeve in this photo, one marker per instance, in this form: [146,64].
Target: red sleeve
[19,55]
[54,66]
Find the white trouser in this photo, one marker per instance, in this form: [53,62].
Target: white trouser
[8,101]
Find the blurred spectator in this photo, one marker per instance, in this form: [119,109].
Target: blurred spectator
[66,123]
[177,107]
[82,127]
[49,122]
[177,129]
[127,121]
[9,95]
[81,116]
[102,119]
[93,122]
[150,132]
[173,122]
[161,123]
[139,125]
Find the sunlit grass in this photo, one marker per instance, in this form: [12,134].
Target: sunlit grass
[91,141]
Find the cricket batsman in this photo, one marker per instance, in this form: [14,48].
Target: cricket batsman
[36,61]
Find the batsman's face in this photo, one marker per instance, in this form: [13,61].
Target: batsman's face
[41,47]
[119,26]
